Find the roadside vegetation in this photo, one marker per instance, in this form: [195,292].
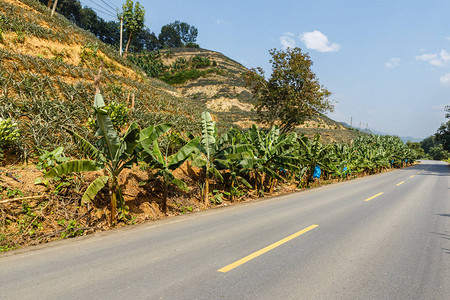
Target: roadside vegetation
[231,167]
[140,151]
[437,146]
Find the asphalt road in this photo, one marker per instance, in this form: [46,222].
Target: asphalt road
[380,237]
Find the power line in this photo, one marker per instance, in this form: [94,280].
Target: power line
[104,10]
[113,4]
[113,8]
[99,6]
[108,14]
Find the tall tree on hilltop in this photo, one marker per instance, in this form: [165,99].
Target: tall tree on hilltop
[133,17]
[291,94]
[169,37]
[178,34]
[187,33]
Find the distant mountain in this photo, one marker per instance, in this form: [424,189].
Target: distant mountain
[375,131]
[411,139]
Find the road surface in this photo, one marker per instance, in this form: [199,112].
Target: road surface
[380,237]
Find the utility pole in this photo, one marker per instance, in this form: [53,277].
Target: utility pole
[54,7]
[121,29]
[351,121]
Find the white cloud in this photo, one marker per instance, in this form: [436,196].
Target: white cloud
[392,63]
[316,40]
[438,60]
[220,21]
[426,57]
[445,79]
[287,40]
[445,56]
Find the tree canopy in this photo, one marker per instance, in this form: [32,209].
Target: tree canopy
[443,132]
[169,37]
[178,34]
[291,94]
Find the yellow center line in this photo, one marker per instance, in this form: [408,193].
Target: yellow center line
[400,183]
[412,176]
[368,199]
[264,250]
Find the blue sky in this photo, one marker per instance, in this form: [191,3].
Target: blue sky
[387,63]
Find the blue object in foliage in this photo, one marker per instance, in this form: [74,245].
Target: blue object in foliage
[345,169]
[406,160]
[282,170]
[317,172]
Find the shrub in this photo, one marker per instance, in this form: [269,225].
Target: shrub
[185,75]
[191,45]
[150,63]
[200,62]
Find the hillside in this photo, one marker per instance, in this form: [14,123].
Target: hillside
[47,68]
[226,96]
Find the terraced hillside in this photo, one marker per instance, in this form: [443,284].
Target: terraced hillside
[224,93]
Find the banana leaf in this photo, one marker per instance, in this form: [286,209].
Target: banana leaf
[150,134]
[109,138]
[87,148]
[71,167]
[183,154]
[208,139]
[94,188]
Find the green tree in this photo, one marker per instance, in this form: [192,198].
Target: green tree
[443,132]
[187,33]
[437,152]
[428,143]
[292,92]
[416,149]
[178,34]
[133,17]
[169,37]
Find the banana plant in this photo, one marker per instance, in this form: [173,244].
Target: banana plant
[208,148]
[165,163]
[231,157]
[272,151]
[341,160]
[112,155]
[313,153]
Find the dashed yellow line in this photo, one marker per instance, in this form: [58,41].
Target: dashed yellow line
[379,194]
[264,250]
[412,176]
[400,183]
